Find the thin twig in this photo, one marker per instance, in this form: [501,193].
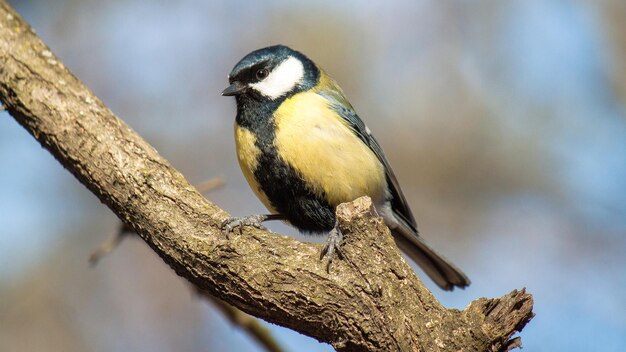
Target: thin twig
[245,321]
[109,245]
[209,185]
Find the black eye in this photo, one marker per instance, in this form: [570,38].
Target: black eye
[262,73]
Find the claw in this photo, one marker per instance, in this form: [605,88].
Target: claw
[230,224]
[332,243]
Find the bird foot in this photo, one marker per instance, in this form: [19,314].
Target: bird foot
[335,237]
[230,224]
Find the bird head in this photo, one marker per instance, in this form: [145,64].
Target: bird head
[272,73]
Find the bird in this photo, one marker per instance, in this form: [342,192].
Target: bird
[304,150]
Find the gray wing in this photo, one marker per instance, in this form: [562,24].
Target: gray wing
[399,204]
[444,273]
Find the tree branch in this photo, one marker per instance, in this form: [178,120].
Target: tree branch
[370,301]
[245,321]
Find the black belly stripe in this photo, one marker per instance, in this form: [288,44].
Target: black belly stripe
[281,183]
[290,195]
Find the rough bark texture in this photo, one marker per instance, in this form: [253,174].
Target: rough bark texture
[370,301]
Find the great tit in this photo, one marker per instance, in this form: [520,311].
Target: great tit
[304,150]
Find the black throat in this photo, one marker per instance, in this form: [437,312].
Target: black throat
[257,116]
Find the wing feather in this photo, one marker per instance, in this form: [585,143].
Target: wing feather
[443,272]
[339,103]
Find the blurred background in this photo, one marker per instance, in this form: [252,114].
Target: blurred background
[505,122]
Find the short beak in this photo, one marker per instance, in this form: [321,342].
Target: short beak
[235,88]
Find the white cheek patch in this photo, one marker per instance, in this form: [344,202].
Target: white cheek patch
[282,79]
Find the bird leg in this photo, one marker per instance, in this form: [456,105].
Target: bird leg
[335,237]
[231,224]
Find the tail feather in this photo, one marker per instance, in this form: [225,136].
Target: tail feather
[445,274]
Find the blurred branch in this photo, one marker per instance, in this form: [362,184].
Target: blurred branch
[245,321]
[612,22]
[209,185]
[371,300]
[109,245]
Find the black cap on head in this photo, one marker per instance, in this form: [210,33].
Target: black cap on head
[257,65]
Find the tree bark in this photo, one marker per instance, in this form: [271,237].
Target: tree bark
[370,301]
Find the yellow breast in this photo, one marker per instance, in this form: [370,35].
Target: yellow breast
[321,147]
[247,155]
